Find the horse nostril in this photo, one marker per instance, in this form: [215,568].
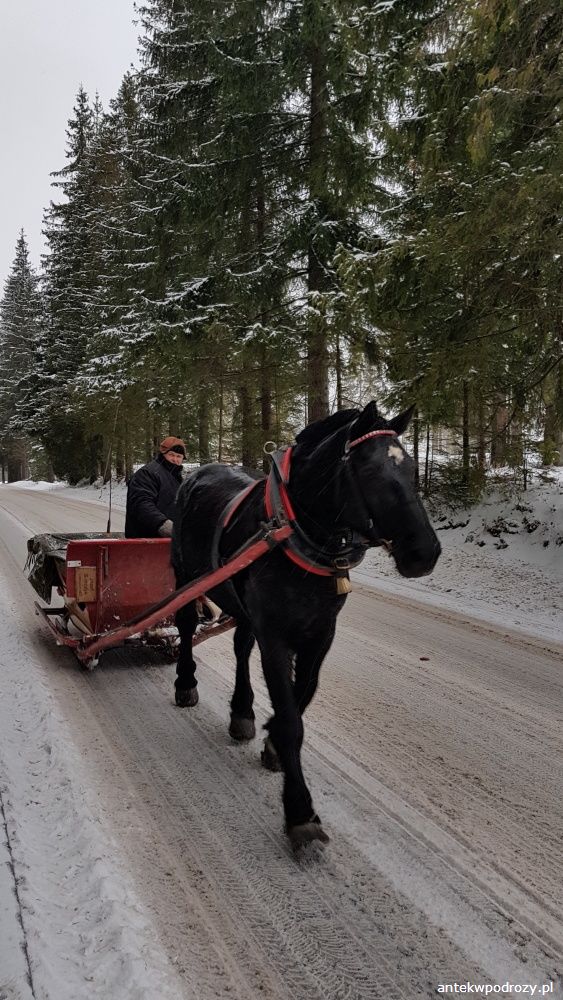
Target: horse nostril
[419,560]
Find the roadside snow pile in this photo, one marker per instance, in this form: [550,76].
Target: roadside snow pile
[41,484]
[502,560]
[530,524]
[99,493]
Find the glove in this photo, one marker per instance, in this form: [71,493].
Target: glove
[165,530]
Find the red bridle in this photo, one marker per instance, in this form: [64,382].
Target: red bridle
[365,437]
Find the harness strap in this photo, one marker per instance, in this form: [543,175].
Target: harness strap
[235,503]
[226,517]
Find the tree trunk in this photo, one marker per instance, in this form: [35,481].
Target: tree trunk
[221,418]
[128,452]
[465,452]
[203,426]
[278,416]
[427,460]
[156,433]
[248,457]
[499,442]
[265,405]
[25,460]
[174,421]
[552,445]
[14,470]
[119,456]
[108,464]
[317,337]
[96,458]
[481,442]
[149,453]
[517,446]
[339,402]
[415,447]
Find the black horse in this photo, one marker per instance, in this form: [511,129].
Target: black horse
[346,485]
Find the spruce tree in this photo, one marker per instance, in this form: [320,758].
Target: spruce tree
[21,318]
[71,433]
[462,277]
[212,96]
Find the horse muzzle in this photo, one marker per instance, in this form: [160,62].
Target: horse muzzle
[418,559]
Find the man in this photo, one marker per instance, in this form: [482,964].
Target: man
[151,498]
[151,495]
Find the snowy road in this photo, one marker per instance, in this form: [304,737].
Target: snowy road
[148,848]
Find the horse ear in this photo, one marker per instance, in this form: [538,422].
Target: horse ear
[400,423]
[366,420]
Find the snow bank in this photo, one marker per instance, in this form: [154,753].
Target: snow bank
[501,561]
[41,484]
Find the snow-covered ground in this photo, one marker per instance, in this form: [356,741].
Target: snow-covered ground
[501,561]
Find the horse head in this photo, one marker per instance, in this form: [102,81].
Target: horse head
[356,465]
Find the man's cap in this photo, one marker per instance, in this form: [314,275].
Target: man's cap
[172,444]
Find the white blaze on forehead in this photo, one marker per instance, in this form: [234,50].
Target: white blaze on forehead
[397,453]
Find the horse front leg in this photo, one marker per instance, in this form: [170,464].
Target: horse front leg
[310,656]
[242,714]
[308,662]
[286,733]
[186,683]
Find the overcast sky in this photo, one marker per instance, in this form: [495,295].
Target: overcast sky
[47,49]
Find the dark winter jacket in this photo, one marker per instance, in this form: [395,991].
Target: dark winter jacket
[151,498]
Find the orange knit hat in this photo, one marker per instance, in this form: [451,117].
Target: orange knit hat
[172,443]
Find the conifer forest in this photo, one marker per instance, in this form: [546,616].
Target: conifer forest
[290,207]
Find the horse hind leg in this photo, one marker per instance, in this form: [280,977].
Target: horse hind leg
[186,683]
[242,725]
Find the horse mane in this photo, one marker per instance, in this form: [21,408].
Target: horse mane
[321,429]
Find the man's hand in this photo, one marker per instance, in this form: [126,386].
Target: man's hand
[165,530]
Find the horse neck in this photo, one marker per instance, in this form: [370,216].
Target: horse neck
[316,487]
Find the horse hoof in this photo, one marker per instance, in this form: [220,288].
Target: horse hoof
[269,757]
[242,729]
[188,698]
[307,833]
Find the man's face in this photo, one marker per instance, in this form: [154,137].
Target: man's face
[175,457]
